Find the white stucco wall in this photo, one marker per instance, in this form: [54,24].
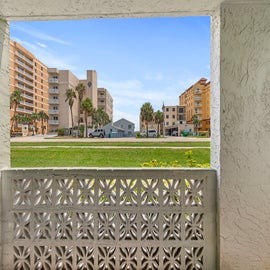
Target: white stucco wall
[4,96]
[244,136]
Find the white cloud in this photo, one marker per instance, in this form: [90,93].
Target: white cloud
[41,45]
[39,35]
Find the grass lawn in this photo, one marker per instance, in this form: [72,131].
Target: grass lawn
[99,157]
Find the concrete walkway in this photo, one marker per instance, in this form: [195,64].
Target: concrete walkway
[48,138]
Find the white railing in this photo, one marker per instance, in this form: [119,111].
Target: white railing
[53,111]
[53,80]
[53,101]
[25,73]
[108,219]
[53,122]
[24,88]
[24,65]
[53,91]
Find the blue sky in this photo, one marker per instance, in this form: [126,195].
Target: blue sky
[137,60]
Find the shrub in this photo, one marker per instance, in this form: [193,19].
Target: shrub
[190,162]
[60,132]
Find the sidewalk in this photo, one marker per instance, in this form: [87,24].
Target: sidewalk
[49,138]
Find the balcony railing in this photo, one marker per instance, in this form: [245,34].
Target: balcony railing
[108,219]
[53,91]
[24,65]
[53,101]
[19,109]
[53,80]
[53,111]
[24,88]
[53,122]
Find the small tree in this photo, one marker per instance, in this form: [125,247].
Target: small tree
[87,108]
[147,112]
[43,117]
[15,100]
[196,121]
[158,119]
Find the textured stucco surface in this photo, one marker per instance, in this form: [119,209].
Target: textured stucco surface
[4,95]
[245,137]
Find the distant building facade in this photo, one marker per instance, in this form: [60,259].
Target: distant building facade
[129,127]
[29,75]
[59,111]
[175,120]
[197,101]
[105,102]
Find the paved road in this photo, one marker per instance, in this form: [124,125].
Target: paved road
[40,138]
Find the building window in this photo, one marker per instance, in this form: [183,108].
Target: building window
[173,109]
[181,110]
[55,118]
[167,116]
[173,116]
[129,126]
[167,109]
[167,123]
[173,123]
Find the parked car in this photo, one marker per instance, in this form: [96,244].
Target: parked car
[151,133]
[97,133]
[175,133]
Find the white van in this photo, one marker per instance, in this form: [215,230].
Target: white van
[151,133]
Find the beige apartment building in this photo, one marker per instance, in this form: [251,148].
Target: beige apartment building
[59,111]
[29,75]
[197,101]
[105,102]
[175,120]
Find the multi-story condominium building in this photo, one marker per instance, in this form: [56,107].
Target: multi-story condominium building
[105,102]
[197,101]
[29,75]
[59,111]
[175,120]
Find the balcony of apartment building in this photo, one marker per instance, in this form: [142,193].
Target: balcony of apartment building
[21,63]
[197,91]
[28,104]
[53,80]
[24,58]
[53,122]
[22,79]
[53,91]
[27,96]
[53,111]
[201,219]
[23,72]
[53,101]
[24,110]
[23,87]
[197,97]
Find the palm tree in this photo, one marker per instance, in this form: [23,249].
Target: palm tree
[101,117]
[43,117]
[196,121]
[87,108]
[70,97]
[158,119]
[80,88]
[35,118]
[15,100]
[147,112]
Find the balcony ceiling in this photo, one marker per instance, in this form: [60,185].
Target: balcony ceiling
[16,10]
